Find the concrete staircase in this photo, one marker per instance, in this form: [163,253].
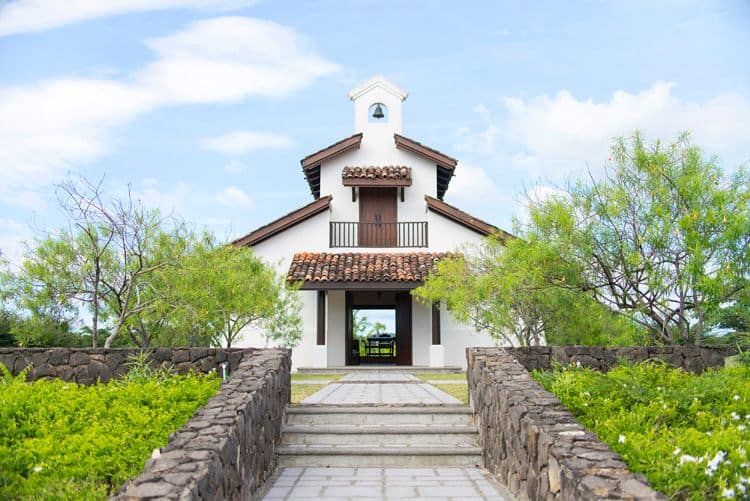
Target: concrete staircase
[379,436]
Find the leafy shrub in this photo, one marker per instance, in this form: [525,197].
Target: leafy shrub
[689,434]
[67,441]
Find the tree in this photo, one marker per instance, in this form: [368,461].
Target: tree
[226,289]
[663,239]
[377,329]
[503,287]
[101,262]
[360,323]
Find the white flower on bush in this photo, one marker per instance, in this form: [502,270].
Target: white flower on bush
[586,394]
[676,451]
[713,465]
[37,469]
[735,416]
[727,493]
[736,397]
[687,458]
[621,439]
[659,388]
[741,427]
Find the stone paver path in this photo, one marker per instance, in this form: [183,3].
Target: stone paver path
[361,484]
[380,388]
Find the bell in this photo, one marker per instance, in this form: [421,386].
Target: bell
[378,113]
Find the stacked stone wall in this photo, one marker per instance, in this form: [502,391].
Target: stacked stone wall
[228,449]
[89,365]
[691,358]
[533,444]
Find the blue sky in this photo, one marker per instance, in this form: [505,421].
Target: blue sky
[204,107]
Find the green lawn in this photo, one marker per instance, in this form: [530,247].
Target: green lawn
[459,391]
[450,376]
[302,391]
[301,377]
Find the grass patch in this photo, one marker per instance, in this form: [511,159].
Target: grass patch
[688,434]
[62,440]
[459,391]
[450,376]
[302,377]
[302,391]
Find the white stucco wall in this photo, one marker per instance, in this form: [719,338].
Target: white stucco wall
[377,148]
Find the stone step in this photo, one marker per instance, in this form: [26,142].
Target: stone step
[378,415]
[395,435]
[361,456]
[385,368]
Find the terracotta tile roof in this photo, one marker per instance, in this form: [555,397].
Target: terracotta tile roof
[387,175]
[445,164]
[284,222]
[461,217]
[359,267]
[440,158]
[344,145]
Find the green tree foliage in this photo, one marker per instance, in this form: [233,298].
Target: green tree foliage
[502,287]
[147,280]
[663,239]
[225,289]
[360,323]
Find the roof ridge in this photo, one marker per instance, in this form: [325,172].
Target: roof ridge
[462,217]
[305,161]
[286,221]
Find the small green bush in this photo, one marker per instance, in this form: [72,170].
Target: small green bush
[67,441]
[689,434]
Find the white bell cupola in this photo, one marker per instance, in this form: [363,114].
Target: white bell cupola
[378,107]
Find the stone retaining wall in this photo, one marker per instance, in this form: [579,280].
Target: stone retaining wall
[229,446]
[89,365]
[534,444]
[691,358]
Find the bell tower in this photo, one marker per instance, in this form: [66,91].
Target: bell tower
[378,106]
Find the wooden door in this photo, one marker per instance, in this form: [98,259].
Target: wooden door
[403,328]
[377,216]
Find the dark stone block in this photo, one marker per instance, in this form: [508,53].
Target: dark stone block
[180,356]
[79,358]
[59,356]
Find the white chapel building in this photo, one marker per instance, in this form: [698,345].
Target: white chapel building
[376,226]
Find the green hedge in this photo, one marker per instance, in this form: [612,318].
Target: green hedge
[689,434]
[66,441]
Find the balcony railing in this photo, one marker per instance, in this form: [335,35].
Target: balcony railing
[355,234]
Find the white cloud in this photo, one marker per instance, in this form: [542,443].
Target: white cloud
[230,58]
[62,124]
[563,132]
[12,236]
[471,184]
[55,125]
[240,142]
[233,196]
[235,166]
[24,16]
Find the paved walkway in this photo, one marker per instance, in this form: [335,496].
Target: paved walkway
[380,388]
[365,484]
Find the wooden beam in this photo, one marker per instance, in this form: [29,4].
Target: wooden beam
[436,323]
[350,286]
[321,318]
[380,182]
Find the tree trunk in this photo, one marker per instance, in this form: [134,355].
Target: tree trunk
[113,334]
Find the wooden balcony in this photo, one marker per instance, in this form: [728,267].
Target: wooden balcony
[406,234]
